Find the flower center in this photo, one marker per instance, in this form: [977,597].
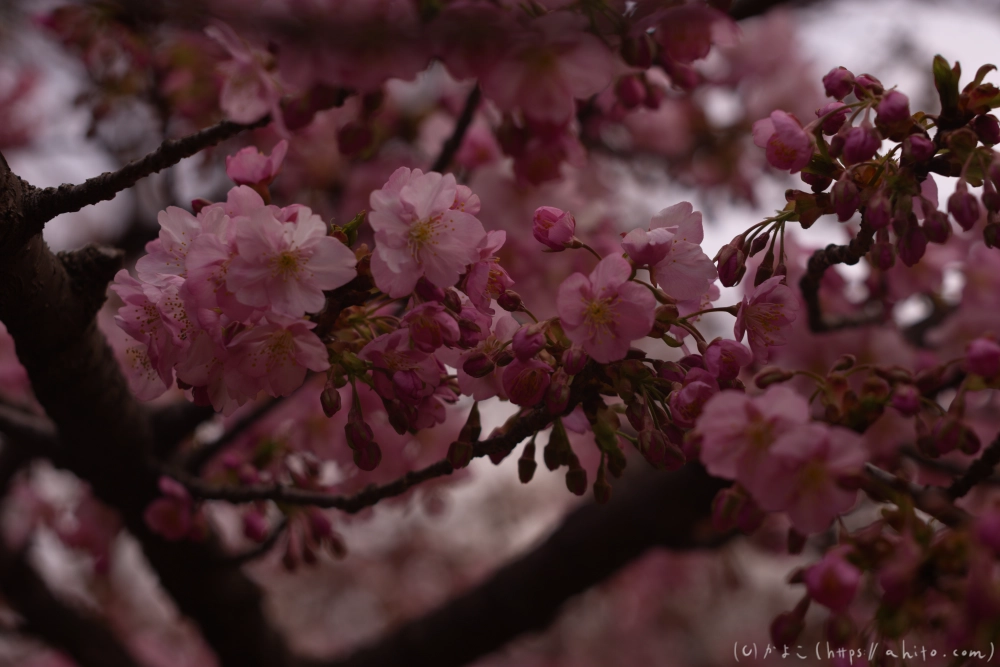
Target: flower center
[422,232]
[286,264]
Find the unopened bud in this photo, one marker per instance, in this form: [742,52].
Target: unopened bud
[459,454]
[510,301]
[526,465]
[368,457]
[576,480]
[330,400]
[478,365]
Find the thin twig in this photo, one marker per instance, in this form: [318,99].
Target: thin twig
[454,142]
[45,204]
[200,457]
[259,550]
[932,500]
[822,260]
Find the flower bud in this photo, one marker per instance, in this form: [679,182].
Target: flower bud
[576,480]
[991,235]
[510,301]
[987,129]
[835,115]
[639,51]
[368,457]
[526,381]
[330,400]
[528,341]
[893,108]
[867,85]
[919,148]
[878,213]
[838,83]
[964,207]
[630,91]
[846,198]
[553,227]
[732,265]
[833,581]
[937,227]
[912,244]
[982,357]
[428,291]
[557,395]
[860,144]
[199,203]
[602,490]
[574,360]
[255,526]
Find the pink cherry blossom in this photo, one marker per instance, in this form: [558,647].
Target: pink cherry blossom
[486,279]
[547,67]
[788,146]
[737,431]
[647,248]
[605,312]
[287,266]
[489,385]
[801,472]
[431,325]
[251,167]
[172,515]
[276,355]
[417,233]
[687,402]
[685,271]
[725,358]
[166,254]
[764,315]
[525,382]
[249,92]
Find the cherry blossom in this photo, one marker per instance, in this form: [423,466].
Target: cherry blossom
[764,315]
[417,233]
[788,146]
[604,312]
[251,167]
[286,266]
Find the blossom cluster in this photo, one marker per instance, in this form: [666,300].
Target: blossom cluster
[222,296]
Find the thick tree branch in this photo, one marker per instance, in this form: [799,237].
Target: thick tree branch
[454,142]
[669,510]
[45,204]
[85,638]
[105,434]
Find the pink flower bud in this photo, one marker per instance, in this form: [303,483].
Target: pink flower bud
[528,341]
[786,628]
[526,465]
[526,381]
[510,301]
[846,198]
[198,204]
[553,227]
[866,85]
[906,399]
[838,83]
[964,207]
[732,265]
[883,255]
[330,400]
[788,146]
[428,291]
[838,112]
[893,108]
[686,404]
[860,144]
[255,526]
[833,582]
[368,457]
[982,357]
[918,147]
[878,213]
[987,129]
[988,530]
[574,359]
[576,480]
[251,167]
[912,244]
[459,454]
[631,92]
[639,51]
[937,227]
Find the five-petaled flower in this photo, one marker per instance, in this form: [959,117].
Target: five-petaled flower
[605,312]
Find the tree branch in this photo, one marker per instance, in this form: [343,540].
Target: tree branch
[822,260]
[45,204]
[85,638]
[454,142]
[932,500]
[980,471]
[104,433]
[521,428]
[660,509]
[201,456]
